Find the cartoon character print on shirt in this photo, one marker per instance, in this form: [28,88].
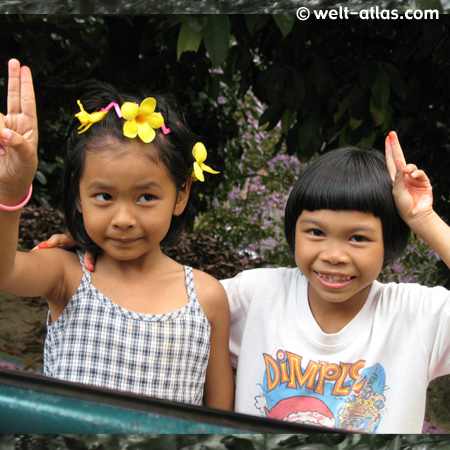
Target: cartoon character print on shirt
[344,395]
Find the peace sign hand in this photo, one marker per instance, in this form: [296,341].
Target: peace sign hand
[412,189]
[18,136]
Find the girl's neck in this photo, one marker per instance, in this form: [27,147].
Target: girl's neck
[154,262]
[333,317]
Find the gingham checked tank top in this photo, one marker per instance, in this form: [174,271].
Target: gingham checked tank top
[97,342]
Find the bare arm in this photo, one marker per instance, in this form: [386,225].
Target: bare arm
[219,388]
[20,273]
[413,196]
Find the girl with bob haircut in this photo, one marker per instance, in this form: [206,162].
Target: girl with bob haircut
[325,343]
[142,323]
[349,179]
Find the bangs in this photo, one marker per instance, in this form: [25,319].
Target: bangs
[348,179]
[348,184]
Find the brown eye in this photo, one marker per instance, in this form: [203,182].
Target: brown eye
[103,197]
[359,238]
[146,198]
[315,232]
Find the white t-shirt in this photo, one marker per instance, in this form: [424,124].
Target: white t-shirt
[370,376]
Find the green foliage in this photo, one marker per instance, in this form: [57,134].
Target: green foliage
[417,265]
[214,30]
[321,85]
[217,38]
[285,22]
[189,39]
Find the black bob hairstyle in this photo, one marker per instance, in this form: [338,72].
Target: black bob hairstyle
[174,151]
[349,179]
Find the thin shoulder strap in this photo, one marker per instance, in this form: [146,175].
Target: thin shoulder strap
[190,286]
[86,273]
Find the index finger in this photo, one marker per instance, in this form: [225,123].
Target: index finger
[397,152]
[27,98]
[13,103]
[390,163]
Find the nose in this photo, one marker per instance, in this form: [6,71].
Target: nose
[334,254]
[123,218]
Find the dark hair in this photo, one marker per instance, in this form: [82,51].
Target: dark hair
[175,152]
[349,179]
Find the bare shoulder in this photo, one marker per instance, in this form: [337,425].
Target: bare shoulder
[211,295]
[41,272]
[68,271]
[56,257]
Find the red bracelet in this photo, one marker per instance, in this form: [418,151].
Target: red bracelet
[19,205]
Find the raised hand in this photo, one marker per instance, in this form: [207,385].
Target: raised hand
[412,189]
[18,136]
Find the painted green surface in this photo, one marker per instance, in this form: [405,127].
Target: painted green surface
[29,411]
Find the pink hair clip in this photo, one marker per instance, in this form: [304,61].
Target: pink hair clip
[116,107]
[165,130]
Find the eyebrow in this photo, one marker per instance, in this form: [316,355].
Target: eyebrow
[353,230]
[106,185]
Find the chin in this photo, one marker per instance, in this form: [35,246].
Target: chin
[123,255]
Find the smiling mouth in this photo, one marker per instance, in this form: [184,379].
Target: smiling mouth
[124,241]
[334,281]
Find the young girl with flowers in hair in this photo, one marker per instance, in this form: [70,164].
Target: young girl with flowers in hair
[141,323]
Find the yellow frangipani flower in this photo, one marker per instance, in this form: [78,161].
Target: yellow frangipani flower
[88,119]
[141,120]
[200,154]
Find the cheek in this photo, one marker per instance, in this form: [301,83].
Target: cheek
[92,220]
[302,254]
[373,263]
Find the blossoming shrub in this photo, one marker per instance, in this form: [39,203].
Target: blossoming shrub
[248,213]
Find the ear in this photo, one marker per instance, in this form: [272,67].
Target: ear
[182,197]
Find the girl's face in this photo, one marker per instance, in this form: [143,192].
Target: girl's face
[127,199]
[341,253]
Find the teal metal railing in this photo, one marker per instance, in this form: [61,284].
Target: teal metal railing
[31,403]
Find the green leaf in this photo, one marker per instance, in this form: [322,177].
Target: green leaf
[381,89]
[286,120]
[429,4]
[196,23]
[188,40]
[255,22]
[367,141]
[284,22]
[355,123]
[217,38]
[342,108]
[377,113]
[398,85]
[41,177]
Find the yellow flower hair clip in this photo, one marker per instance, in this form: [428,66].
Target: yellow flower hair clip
[199,152]
[88,119]
[140,120]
